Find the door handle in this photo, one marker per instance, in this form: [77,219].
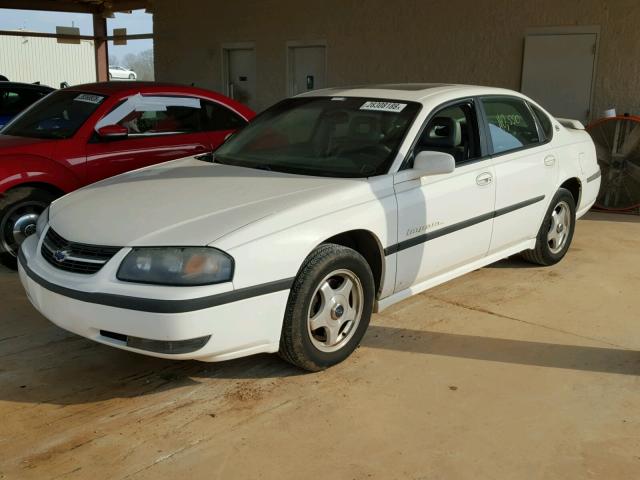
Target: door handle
[550,160]
[484,179]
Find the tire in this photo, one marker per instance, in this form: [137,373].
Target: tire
[20,206]
[334,268]
[132,76]
[547,251]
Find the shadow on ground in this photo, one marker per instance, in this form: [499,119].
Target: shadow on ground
[90,372]
[551,355]
[596,216]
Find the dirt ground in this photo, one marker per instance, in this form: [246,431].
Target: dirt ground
[511,372]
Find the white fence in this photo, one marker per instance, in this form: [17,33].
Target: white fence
[44,60]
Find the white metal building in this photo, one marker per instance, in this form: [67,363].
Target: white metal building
[33,59]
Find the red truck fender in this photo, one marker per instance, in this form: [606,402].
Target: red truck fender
[23,169]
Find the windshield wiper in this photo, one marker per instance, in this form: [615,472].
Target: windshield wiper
[239,163]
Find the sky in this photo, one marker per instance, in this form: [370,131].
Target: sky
[136,22]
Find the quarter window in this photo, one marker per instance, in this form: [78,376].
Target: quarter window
[511,125]
[545,122]
[219,117]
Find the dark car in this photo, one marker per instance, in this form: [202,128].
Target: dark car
[16,97]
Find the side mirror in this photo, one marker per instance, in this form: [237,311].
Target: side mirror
[433,163]
[113,132]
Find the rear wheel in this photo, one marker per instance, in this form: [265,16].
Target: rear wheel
[555,234]
[329,308]
[19,212]
[131,76]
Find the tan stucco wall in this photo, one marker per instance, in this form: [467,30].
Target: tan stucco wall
[459,41]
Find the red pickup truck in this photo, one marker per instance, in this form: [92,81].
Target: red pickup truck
[86,133]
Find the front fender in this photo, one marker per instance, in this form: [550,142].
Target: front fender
[20,169]
[275,247]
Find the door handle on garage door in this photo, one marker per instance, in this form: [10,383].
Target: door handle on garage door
[550,160]
[484,179]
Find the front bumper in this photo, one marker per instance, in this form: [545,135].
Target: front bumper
[237,325]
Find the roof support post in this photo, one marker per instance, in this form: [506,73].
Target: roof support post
[100,43]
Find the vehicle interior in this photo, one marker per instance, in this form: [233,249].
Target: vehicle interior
[332,135]
[453,130]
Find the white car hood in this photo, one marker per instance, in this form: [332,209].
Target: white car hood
[183,202]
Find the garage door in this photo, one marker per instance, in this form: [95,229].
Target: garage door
[558,73]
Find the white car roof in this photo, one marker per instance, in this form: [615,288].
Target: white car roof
[410,92]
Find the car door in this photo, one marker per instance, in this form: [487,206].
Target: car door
[445,221]
[525,167]
[160,128]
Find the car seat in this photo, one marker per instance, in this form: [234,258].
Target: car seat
[443,134]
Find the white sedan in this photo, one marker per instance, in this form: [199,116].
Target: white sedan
[121,73]
[329,206]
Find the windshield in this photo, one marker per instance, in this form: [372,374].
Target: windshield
[323,136]
[58,115]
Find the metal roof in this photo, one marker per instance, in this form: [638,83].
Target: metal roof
[104,7]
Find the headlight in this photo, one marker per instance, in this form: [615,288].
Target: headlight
[180,266]
[43,221]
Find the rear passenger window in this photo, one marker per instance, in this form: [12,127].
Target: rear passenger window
[219,117]
[511,125]
[544,120]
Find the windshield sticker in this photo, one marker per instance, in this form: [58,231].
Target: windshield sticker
[85,97]
[384,106]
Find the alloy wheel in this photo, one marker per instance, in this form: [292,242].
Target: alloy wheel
[335,310]
[18,224]
[560,227]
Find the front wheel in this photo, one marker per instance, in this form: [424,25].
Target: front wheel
[329,308]
[19,212]
[555,234]
[132,76]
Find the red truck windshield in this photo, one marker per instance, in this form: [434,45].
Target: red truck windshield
[58,115]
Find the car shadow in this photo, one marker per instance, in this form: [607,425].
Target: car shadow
[60,368]
[600,216]
[512,262]
[521,352]
[88,372]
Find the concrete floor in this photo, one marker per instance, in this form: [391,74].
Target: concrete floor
[511,372]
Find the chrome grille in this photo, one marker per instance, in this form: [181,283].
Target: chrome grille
[75,257]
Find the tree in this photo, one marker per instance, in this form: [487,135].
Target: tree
[141,63]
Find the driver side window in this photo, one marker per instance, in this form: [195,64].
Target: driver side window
[453,130]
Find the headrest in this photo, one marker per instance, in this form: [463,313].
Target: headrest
[365,128]
[443,132]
